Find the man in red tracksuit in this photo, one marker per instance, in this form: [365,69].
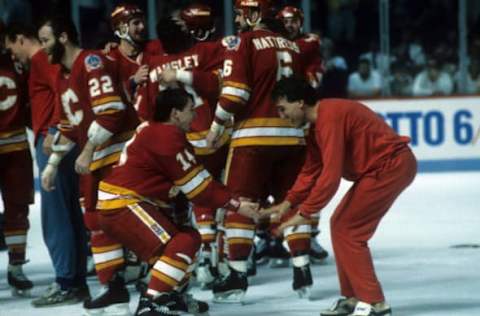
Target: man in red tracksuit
[348,141]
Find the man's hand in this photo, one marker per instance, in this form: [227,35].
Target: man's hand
[296,220]
[214,134]
[249,209]
[48,177]
[168,77]
[82,164]
[109,47]
[276,212]
[47,144]
[141,75]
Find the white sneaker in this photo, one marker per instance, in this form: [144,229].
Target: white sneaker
[378,309]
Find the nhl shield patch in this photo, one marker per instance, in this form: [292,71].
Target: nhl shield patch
[231,42]
[93,62]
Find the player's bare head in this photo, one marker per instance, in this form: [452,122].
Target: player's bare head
[198,20]
[291,96]
[249,13]
[292,19]
[174,39]
[128,23]
[17,39]
[55,34]
[175,106]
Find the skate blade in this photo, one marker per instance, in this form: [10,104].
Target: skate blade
[229,297]
[27,293]
[279,263]
[112,310]
[304,292]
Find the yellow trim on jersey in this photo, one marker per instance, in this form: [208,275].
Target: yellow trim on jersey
[240,226]
[164,278]
[13,147]
[203,151]
[233,98]
[124,197]
[264,122]
[241,241]
[106,248]
[235,84]
[105,100]
[105,161]
[267,141]
[12,133]
[108,264]
[189,176]
[199,188]
[175,263]
[114,189]
[298,236]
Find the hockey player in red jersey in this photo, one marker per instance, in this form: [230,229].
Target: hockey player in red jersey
[16,174]
[101,121]
[142,202]
[265,150]
[309,43]
[183,54]
[128,24]
[348,141]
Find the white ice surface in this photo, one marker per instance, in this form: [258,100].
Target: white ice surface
[420,272]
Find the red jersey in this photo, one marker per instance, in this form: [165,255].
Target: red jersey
[204,56]
[93,102]
[126,67]
[157,163]
[254,62]
[309,45]
[348,140]
[153,47]
[13,113]
[41,89]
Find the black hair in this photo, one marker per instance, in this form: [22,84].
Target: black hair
[62,24]
[364,60]
[295,89]
[169,99]
[174,39]
[14,29]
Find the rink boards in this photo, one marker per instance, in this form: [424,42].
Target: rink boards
[442,130]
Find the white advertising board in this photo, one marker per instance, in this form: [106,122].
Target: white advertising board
[442,130]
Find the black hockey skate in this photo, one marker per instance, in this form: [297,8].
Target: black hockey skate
[279,256]
[194,306]
[317,253]
[206,273]
[112,300]
[231,289]
[18,281]
[167,304]
[302,281]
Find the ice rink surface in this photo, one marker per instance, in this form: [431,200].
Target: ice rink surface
[424,254]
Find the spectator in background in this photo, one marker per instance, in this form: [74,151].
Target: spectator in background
[473,79]
[432,81]
[365,82]
[335,78]
[400,81]
[15,10]
[341,19]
